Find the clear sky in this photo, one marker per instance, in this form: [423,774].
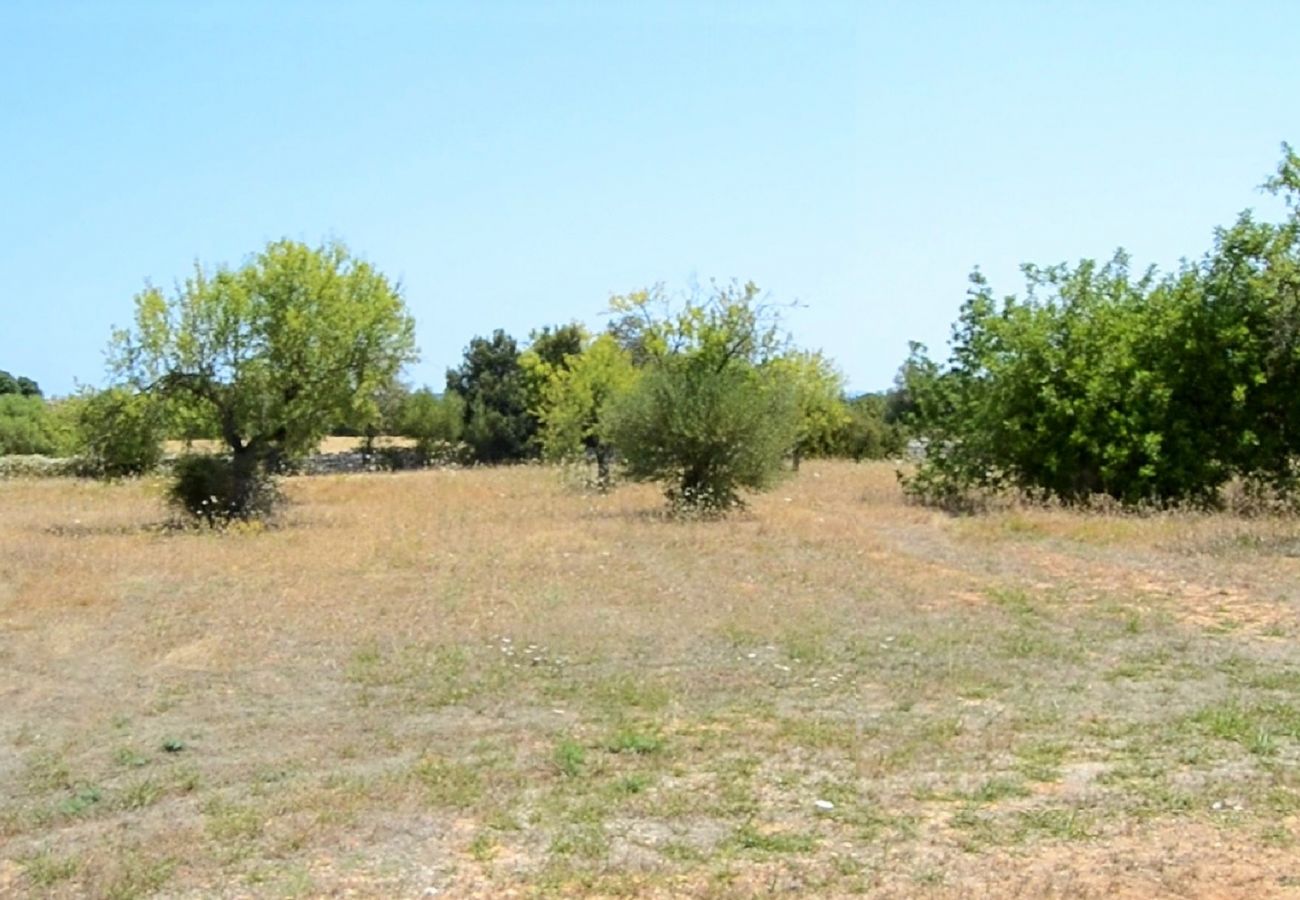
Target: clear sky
[514,163]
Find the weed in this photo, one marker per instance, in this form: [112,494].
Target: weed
[483,848]
[1058,824]
[136,874]
[447,783]
[130,758]
[45,869]
[139,794]
[747,837]
[46,772]
[228,822]
[1041,760]
[1000,788]
[569,758]
[632,741]
[632,784]
[586,840]
[83,798]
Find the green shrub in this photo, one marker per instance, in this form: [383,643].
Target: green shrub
[716,410]
[39,467]
[1147,389]
[121,433]
[26,427]
[213,490]
[707,433]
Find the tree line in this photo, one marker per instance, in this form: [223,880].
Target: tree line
[1097,381]
[703,393]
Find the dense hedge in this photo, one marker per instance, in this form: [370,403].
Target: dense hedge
[1145,388]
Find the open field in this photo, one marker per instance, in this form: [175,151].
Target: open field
[481,683]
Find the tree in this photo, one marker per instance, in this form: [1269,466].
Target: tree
[493,387]
[20,385]
[435,422]
[550,350]
[819,397]
[276,351]
[711,415]
[551,347]
[26,426]
[575,403]
[637,321]
[870,429]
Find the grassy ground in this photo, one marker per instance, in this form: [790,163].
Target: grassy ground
[481,683]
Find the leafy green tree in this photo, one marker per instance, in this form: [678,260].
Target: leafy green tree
[575,403]
[494,389]
[551,347]
[710,415]
[275,351]
[819,397]
[435,422]
[870,429]
[637,323]
[26,426]
[20,385]
[550,350]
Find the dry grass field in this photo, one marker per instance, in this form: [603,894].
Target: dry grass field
[331,444]
[484,683]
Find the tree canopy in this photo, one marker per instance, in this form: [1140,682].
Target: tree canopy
[18,384]
[576,400]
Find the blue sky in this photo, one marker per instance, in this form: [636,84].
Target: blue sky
[513,164]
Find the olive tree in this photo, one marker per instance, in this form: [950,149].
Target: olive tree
[710,415]
[275,351]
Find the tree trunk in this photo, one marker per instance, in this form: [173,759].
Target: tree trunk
[603,454]
[246,470]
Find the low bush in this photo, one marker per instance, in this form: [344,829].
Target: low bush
[213,491]
[35,466]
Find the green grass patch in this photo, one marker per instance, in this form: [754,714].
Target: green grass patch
[569,758]
[999,788]
[46,869]
[1041,760]
[1258,727]
[747,837]
[629,740]
[447,783]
